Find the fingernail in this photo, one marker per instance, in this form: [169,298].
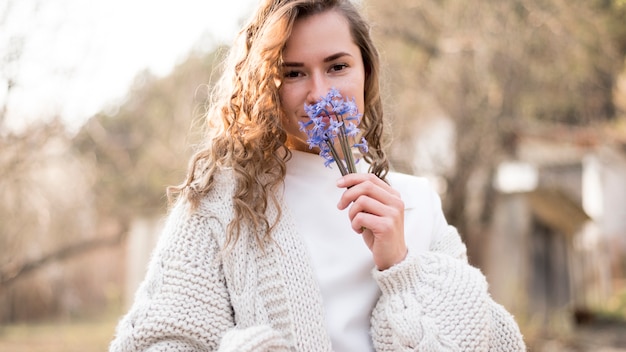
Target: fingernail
[340,182]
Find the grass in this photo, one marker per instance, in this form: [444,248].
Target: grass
[68,336]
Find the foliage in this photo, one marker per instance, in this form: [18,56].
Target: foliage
[492,68]
[45,206]
[143,147]
[63,196]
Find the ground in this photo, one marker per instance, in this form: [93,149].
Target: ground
[91,335]
[94,336]
[600,336]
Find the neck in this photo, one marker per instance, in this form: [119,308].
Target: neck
[300,145]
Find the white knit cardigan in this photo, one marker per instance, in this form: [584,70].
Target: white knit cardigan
[196,297]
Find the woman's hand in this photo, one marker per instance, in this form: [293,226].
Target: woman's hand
[377,213]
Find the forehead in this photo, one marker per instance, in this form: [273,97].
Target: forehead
[327,31]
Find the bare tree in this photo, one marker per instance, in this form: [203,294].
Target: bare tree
[46,204]
[63,195]
[491,67]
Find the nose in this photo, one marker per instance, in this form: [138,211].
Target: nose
[318,87]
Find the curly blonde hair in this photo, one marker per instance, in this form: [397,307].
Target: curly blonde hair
[244,128]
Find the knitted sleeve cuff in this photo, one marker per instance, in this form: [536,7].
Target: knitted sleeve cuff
[400,277]
[432,299]
[253,339]
[418,272]
[448,251]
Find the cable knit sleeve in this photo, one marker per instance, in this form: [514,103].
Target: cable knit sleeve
[436,301]
[183,303]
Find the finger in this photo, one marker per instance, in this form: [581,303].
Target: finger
[351,180]
[377,225]
[365,189]
[367,205]
[376,217]
[368,237]
[384,194]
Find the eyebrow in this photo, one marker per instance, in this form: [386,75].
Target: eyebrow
[327,59]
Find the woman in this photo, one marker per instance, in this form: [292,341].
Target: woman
[265,250]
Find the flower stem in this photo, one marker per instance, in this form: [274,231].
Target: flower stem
[335,155]
[347,150]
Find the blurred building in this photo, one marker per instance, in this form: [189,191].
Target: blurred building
[559,226]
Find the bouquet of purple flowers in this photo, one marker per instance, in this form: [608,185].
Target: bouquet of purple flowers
[334,119]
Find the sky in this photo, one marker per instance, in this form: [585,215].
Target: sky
[78,57]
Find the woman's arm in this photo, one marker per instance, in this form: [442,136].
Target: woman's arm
[183,303]
[436,301]
[431,300]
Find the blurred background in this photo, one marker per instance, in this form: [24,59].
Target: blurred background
[516,110]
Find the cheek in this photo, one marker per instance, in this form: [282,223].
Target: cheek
[361,104]
[281,96]
[286,100]
[287,118]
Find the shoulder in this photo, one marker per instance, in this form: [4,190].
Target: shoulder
[425,222]
[414,189]
[210,214]
[400,181]
[212,194]
[220,194]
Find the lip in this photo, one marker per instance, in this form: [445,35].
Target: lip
[325,118]
[305,116]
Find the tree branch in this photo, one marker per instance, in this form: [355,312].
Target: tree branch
[11,274]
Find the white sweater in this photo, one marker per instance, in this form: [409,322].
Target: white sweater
[196,297]
[341,261]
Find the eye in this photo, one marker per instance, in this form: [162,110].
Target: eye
[292,74]
[338,67]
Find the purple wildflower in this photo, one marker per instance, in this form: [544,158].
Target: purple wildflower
[342,119]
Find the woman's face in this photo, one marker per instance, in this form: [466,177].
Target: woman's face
[320,54]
